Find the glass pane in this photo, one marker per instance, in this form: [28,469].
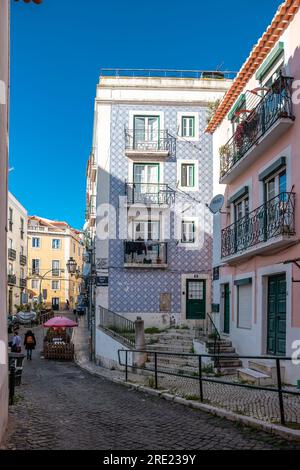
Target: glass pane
[196,291]
[282,182]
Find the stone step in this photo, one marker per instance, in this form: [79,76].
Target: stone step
[223,349]
[267,367]
[254,377]
[168,348]
[174,360]
[223,342]
[230,363]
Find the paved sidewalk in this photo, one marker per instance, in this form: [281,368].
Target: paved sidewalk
[257,404]
[59,406]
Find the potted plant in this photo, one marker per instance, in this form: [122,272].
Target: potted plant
[158,260]
[224,150]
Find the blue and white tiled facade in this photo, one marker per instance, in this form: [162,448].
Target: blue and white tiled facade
[135,291]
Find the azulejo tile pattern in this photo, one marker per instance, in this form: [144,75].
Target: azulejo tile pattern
[138,290]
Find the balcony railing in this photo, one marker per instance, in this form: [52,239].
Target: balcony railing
[145,254]
[23,260]
[149,141]
[149,193]
[11,279]
[23,283]
[273,219]
[276,104]
[12,254]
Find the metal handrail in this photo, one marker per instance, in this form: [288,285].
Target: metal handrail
[118,326]
[167,73]
[149,193]
[276,104]
[271,219]
[146,140]
[136,252]
[279,389]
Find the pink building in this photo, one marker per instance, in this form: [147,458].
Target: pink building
[256,140]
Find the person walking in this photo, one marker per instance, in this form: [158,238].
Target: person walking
[29,343]
[16,343]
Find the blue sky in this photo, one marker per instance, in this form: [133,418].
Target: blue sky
[57,50]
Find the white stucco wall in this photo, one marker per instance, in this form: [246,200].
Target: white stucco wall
[107,350]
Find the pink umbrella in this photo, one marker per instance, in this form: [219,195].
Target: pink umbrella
[60,322]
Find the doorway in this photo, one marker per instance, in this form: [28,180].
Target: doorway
[276,326]
[226,323]
[195,299]
[55,303]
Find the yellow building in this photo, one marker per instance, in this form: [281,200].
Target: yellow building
[50,245]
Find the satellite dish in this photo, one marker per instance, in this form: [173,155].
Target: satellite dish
[216,204]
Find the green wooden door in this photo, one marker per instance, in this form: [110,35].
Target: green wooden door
[195,299]
[276,335]
[226,326]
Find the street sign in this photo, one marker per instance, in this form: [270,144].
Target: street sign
[102,281]
[216,204]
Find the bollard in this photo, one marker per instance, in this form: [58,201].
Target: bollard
[140,358]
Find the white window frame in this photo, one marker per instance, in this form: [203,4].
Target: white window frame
[35,282]
[238,323]
[196,176]
[36,247]
[194,115]
[193,244]
[56,239]
[57,282]
[39,263]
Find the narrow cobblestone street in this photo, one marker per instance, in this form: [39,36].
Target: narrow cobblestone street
[59,406]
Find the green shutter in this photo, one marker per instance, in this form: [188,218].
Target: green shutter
[237,105]
[269,61]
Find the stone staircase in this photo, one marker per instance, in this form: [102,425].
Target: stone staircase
[182,341]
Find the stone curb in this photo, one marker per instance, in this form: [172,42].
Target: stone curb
[276,429]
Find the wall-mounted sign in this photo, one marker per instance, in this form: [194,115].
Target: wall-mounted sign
[102,281]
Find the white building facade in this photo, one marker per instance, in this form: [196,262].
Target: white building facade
[154,176]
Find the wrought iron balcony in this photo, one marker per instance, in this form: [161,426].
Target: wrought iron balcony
[23,260]
[145,254]
[149,193]
[23,283]
[273,219]
[11,279]
[275,105]
[12,254]
[144,141]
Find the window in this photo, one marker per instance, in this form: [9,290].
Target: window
[22,250]
[35,283]
[55,285]
[10,244]
[10,219]
[36,242]
[241,212]
[146,132]
[188,126]
[188,231]
[56,244]
[244,306]
[275,197]
[146,230]
[55,268]
[22,273]
[187,175]
[35,266]
[10,269]
[22,228]
[74,248]
[79,251]
[145,173]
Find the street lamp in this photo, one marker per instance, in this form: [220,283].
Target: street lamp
[71,266]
